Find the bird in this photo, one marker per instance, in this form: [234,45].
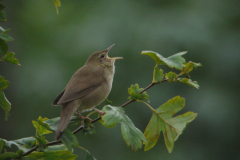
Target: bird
[87,88]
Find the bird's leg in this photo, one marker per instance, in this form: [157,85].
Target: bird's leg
[100,112]
[83,118]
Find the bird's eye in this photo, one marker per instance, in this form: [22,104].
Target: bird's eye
[102,56]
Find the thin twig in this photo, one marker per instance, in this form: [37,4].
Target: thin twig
[93,121]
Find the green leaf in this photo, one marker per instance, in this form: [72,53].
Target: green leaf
[2,14]
[157,75]
[5,104]
[20,146]
[41,143]
[28,142]
[162,121]
[112,116]
[8,156]
[56,148]
[107,102]
[134,91]
[189,82]
[69,140]
[9,57]
[53,123]
[174,61]
[88,156]
[3,47]
[40,128]
[131,135]
[3,83]
[41,122]
[2,143]
[56,4]
[171,77]
[5,37]
[59,155]
[33,155]
[189,66]
[152,132]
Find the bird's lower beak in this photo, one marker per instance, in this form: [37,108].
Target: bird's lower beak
[115,58]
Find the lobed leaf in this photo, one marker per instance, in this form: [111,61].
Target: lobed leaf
[41,127]
[152,132]
[157,75]
[56,4]
[131,135]
[189,82]
[10,143]
[3,83]
[174,61]
[162,121]
[88,156]
[9,57]
[134,92]
[69,140]
[5,104]
[171,77]
[189,66]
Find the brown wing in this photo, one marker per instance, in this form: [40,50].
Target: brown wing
[81,84]
[54,103]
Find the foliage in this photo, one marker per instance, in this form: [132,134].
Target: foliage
[163,118]
[7,57]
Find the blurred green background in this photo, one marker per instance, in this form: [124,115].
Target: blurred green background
[52,47]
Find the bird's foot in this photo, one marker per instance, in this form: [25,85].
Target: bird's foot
[100,112]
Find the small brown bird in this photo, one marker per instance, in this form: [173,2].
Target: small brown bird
[88,87]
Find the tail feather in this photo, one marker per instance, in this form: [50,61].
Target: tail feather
[68,109]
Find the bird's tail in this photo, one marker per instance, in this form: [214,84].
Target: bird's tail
[68,109]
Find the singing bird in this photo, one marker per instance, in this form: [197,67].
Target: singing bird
[88,87]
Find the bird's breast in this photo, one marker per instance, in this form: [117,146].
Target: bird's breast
[97,96]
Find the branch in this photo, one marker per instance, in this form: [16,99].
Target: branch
[93,121]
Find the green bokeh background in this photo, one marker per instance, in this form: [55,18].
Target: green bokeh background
[52,47]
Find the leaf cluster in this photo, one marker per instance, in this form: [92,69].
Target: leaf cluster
[7,57]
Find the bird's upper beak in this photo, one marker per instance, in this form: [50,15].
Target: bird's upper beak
[114,58]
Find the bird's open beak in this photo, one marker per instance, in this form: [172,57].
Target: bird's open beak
[114,58]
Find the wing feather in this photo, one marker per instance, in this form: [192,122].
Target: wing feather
[81,84]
